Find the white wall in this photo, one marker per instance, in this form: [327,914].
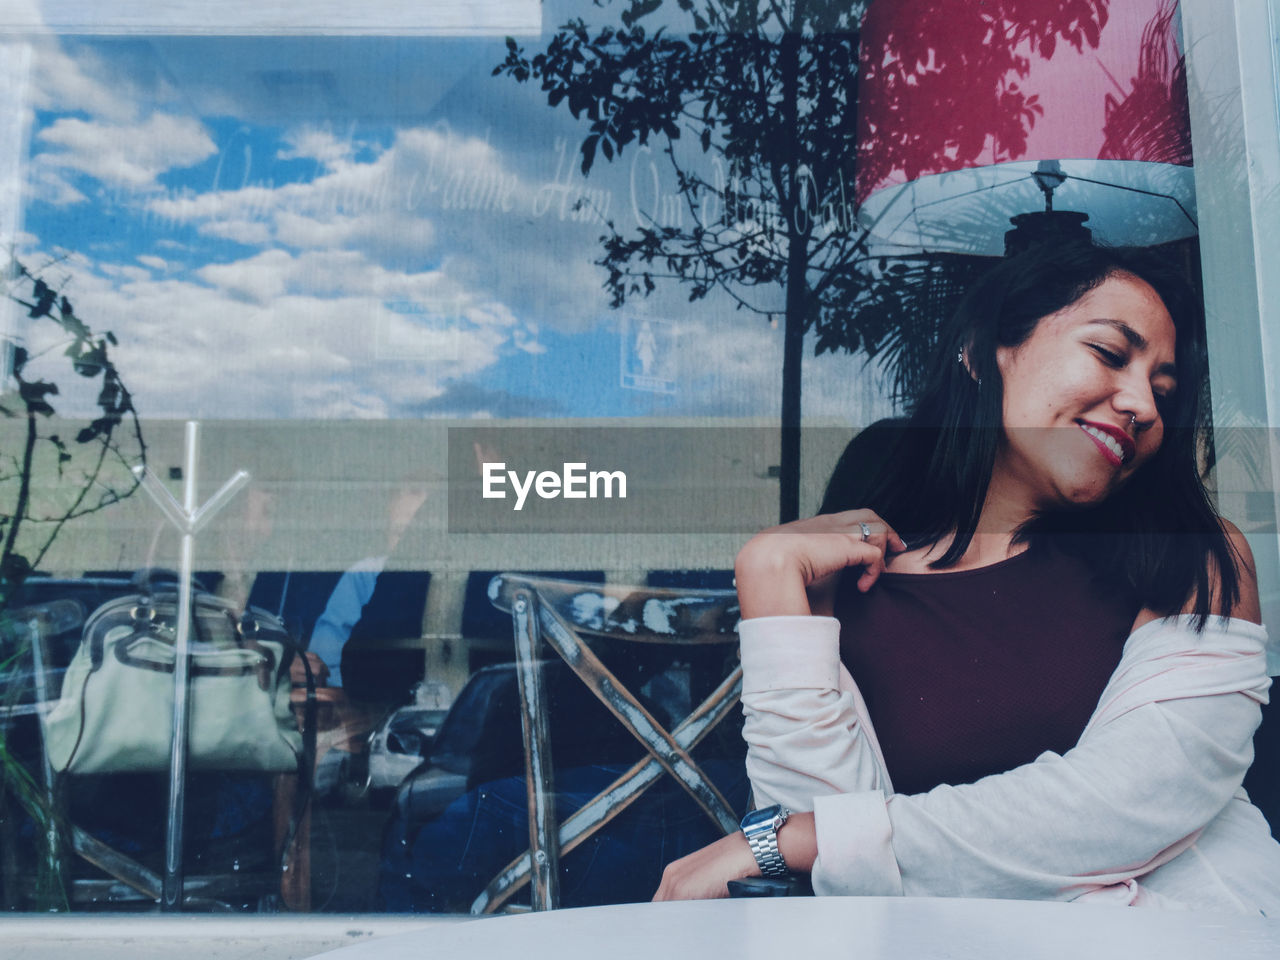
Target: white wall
[1231,58]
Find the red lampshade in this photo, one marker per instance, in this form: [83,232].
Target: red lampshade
[960,102]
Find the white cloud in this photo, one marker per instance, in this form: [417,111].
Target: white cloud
[527,343]
[250,233]
[80,83]
[51,186]
[332,334]
[728,362]
[125,154]
[432,197]
[844,387]
[189,351]
[323,146]
[259,279]
[397,276]
[125,271]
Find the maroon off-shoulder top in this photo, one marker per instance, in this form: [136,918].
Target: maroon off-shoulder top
[976,672]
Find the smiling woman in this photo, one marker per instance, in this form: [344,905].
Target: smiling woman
[1047,686]
[1084,370]
[1064,397]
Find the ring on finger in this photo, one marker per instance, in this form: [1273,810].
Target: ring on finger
[866,530]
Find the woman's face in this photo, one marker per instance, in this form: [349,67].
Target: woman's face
[1083,397]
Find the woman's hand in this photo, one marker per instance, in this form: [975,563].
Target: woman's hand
[705,874]
[793,568]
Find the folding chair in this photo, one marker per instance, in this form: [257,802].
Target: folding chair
[565,614]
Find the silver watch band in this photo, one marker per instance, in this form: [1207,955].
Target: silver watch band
[764,847]
[760,827]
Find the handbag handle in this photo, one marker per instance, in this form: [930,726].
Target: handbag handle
[150,579]
[152,653]
[148,625]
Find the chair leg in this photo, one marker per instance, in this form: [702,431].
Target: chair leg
[589,819]
[295,881]
[9,869]
[123,868]
[544,845]
[673,758]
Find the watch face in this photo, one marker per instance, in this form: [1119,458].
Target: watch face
[761,817]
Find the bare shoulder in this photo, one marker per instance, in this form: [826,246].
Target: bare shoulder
[1247,606]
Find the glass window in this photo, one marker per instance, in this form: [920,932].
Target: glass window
[433,306]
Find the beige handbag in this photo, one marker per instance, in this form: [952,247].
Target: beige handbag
[115,713]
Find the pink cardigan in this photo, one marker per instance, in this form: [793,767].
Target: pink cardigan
[1146,809]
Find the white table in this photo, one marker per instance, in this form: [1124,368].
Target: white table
[867,928]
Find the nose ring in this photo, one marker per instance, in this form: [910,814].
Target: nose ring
[1133,419]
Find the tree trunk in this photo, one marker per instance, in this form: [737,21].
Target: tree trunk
[792,354]
[10,577]
[796,298]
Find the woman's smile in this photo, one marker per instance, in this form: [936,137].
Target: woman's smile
[1115,444]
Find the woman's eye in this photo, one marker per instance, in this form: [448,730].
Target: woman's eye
[1108,356]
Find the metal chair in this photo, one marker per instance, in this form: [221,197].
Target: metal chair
[567,615]
[126,880]
[31,625]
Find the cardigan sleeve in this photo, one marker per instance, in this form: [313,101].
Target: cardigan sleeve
[1164,752]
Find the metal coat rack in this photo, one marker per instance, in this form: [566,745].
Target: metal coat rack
[189,521]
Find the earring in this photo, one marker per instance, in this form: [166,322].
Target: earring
[960,357]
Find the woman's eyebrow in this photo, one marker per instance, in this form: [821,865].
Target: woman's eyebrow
[1137,341]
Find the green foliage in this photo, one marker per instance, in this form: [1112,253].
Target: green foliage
[45,485]
[52,481]
[766,93]
[17,785]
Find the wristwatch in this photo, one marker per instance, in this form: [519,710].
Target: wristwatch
[761,827]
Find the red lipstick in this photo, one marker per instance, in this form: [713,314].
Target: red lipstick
[1116,433]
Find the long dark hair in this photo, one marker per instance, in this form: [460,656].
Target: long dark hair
[928,475]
